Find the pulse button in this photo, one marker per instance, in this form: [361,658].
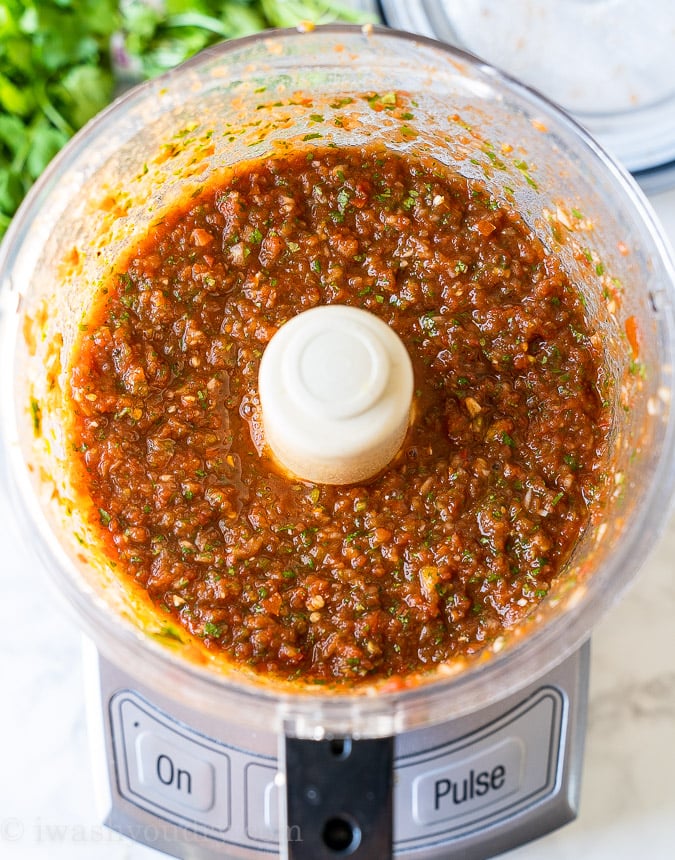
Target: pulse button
[465,786]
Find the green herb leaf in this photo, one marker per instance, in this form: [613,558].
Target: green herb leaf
[211,629]
[343,198]
[36,414]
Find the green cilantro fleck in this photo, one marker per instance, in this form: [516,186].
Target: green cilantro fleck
[428,324]
[571,461]
[637,368]
[339,103]
[36,414]
[343,198]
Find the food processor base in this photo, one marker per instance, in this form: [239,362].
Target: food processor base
[195,787]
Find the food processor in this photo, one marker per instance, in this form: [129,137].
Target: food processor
[201,759]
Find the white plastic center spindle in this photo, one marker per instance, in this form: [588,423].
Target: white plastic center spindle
[336,386]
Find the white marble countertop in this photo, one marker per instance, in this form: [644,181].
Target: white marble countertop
[47,809]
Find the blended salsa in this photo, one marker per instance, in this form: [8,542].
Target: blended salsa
[460,537]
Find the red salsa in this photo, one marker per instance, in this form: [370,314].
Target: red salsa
[460,537]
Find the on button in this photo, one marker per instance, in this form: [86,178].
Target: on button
[169,773]
[168,769]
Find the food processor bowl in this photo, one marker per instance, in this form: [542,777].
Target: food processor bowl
[346,86]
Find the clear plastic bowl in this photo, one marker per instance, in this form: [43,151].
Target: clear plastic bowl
[240,100]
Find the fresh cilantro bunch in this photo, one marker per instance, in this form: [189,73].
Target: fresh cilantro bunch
[54,76]
[61,60]
[158,35]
